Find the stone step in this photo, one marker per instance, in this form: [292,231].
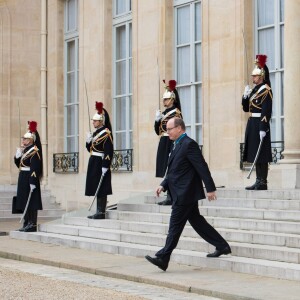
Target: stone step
[195,258]
[285,254]
[53,213]
[231,235]
[219,211]
[275,204]
[217,222]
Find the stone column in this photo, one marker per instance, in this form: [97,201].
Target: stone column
[291,83]
[287,173]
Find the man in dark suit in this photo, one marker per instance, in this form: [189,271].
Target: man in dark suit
[186,171]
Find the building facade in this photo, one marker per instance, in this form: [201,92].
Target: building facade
[60,56]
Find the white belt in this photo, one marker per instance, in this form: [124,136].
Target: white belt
[25,169]
[97,154]
[255,115]
[164,134]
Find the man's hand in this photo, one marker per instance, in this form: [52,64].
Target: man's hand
[104,170]
[158,116]
[247,91]
[262,134]
[159,190]
[19,153]
[32,187]
[212,196]
[89,137]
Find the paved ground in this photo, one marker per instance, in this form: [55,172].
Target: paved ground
[89,267]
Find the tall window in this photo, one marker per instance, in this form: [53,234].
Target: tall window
[269,25]
[122,74]
[71,76]
[188,53]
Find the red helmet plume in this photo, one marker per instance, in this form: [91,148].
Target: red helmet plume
[261,60]
[99,107]
[32,126]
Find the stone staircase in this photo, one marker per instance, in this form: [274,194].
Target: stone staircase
[262,227]
[51,209]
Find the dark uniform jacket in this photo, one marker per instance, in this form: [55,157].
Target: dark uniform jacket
[259,101]
[30,170]
[186,171]
[101,144]
[165,143]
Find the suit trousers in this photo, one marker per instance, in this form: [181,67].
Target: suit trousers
[179,216]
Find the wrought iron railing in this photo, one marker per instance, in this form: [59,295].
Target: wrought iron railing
[277,149]
[65,162]
[68,162]
[122,160]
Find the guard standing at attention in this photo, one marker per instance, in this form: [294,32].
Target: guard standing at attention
[171,102]
[258,103]
[29,160]
[100,145]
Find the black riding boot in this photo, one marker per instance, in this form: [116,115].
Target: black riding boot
[32,221]
[101,206]
[263,169]
[258,178]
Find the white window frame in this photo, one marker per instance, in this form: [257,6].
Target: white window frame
[70,36]
[193,84]
[278,71]
[118,21]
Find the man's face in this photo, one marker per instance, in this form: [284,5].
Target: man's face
[27,142]
[257,79]
[168,102]
[96,123]
[174,132]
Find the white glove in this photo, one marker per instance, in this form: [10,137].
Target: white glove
[262,134]
[32,187]
[89,137]
[247,91]
[158,116]
[19,153]
[104,170]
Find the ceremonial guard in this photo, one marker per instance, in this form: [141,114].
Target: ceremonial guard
[258,103]
[260,62]
[172,106]
[100,146]
[29,160]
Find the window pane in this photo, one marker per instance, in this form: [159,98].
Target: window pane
[198,103]
[71,125]
[130,112]
[199,134]
[282,10]
[185,100]
[120,105]
[130,76]
[71,144]
[198,59]
[266,45]
[282,95]
[282,46]
[71,56]
[121,42]
[120,140]
[183,65]
[265,12]
[121,78]
[198,25]
[71,23]
[183,25]
[120,7]
[130,40]
[71,87]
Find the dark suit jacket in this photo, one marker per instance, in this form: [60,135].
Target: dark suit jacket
[186,171]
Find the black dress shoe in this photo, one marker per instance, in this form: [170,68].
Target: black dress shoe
[157,262]
[97,216]
[254,186]
[165,202]
[217,252]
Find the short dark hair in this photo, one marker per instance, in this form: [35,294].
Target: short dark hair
[179,122]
